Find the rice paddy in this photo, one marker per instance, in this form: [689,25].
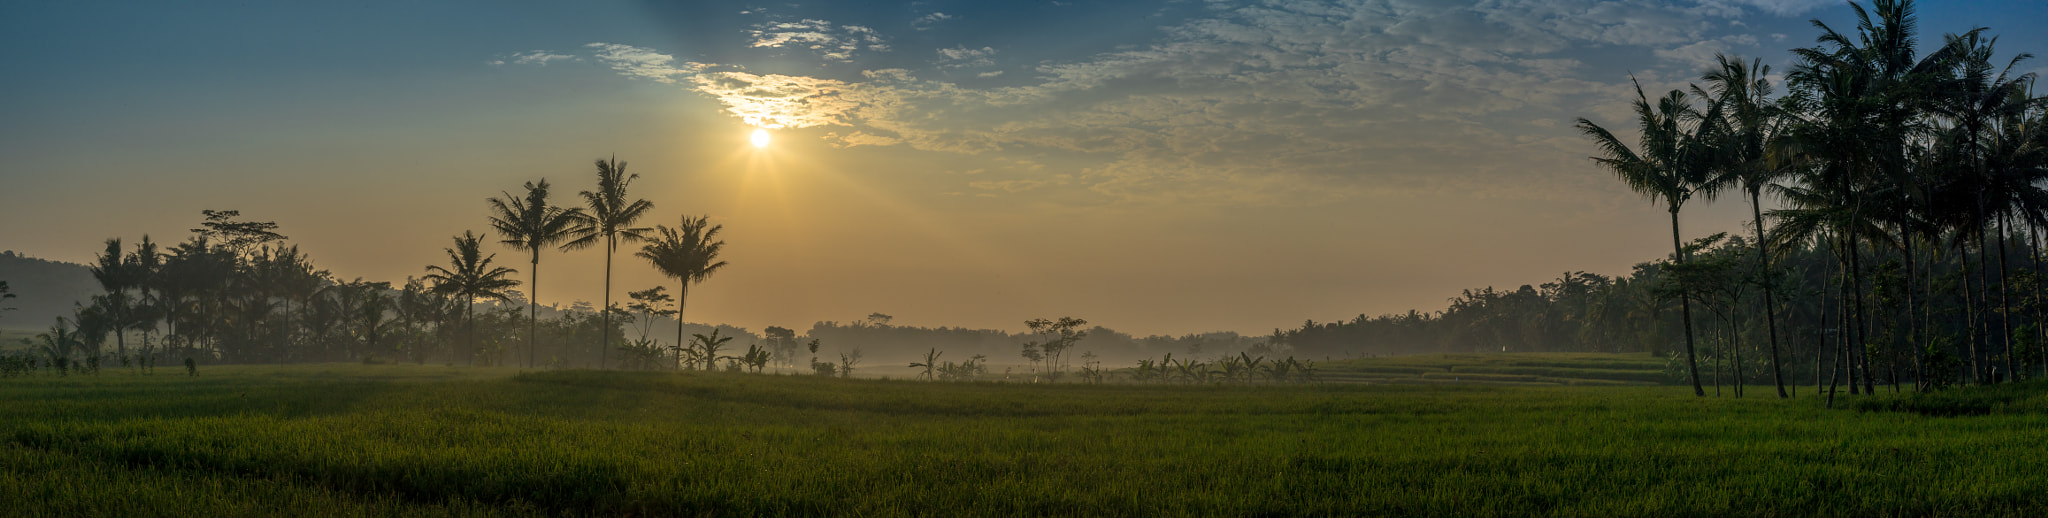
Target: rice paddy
[441,441]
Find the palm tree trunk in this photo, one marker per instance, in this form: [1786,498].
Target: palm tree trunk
[682,297]
[604,340]
[1984,306]
[1862,353]
[2005,301]
[469,314]
[533,309]
[1912,324]
[1820,348]
[1970,306]
[2040,324]
[1833,373]
[1685,304]
[1763,264]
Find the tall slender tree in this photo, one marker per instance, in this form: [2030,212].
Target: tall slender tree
[532,224]
[1668,168]
[1740,93]
[687,253]
[470,276]
[609,222]
[116,277]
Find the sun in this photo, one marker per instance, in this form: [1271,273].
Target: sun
[760,138]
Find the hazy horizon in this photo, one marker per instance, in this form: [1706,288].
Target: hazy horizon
[1154,167]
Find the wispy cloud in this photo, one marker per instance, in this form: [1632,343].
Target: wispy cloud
[958,57]
[642,62]
[925,22]
[535,57]
[831,42]
[1788,7]
[1702,53]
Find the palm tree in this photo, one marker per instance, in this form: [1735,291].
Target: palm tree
[687,253]
[116,277]
[1863,97]
[610,221]
[1741,93]
[531,224]
[1668,169]
[58,345]
[1975,104]
[471,277]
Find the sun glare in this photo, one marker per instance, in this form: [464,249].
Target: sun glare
[760,138]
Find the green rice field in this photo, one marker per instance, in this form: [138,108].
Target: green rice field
[434,441]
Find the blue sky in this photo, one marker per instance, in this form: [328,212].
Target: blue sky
[1167,166]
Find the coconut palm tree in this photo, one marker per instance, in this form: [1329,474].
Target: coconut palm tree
[1740,93]
[1668,168]
[531,224]
[1974,104]
[116,277]
[609,222]
[470,276]
[687,253]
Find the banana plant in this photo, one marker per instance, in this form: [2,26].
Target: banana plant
[930,364]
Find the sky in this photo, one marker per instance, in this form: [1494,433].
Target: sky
[1152,166]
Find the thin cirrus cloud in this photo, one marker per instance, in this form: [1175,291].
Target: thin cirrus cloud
[536,57]
[1275,102]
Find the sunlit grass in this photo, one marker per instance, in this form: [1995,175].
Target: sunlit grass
[376,440]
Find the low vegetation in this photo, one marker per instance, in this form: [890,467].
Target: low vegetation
[434,440]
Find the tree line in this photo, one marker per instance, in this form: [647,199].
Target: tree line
[235,292]
[1905,249]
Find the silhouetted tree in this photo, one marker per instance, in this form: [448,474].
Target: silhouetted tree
[687,253]
[532,224]
[470,276]
[1667,168]
[609,221]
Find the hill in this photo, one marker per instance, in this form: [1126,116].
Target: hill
[43,289]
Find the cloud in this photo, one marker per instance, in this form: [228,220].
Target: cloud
[1788,7]
[778,101]
[1702,53]
[642,62]
[1281,101]
[925,22]
[832,42]
[859,138]
[958,57]
[535,57]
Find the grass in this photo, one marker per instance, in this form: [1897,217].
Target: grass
[436,441]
